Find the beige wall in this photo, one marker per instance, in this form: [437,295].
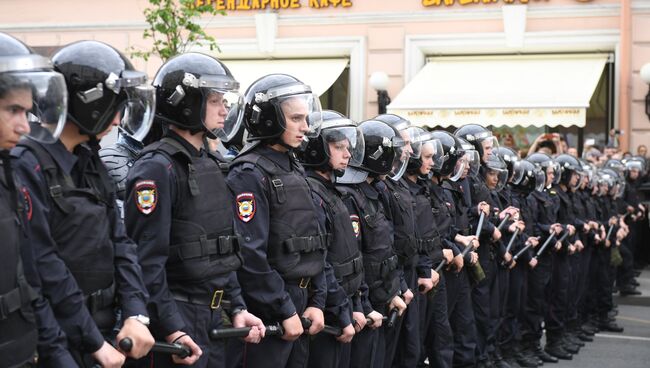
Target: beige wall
[384,25]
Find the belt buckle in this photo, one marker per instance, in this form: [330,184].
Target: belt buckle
[304,282]
[216,299]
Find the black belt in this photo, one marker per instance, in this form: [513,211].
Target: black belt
[205,247]
[100,299]
[306,244]
[348,268]
[302,283]
[16,298]
[384,267]
[214,300]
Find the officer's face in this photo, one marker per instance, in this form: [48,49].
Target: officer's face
[574,180]
[427,159]
[634,173]
[407,151]
[114,123]
[295,112]
[339,154]
[215,111]
[492,179]
[14,106]
[487,144]
[550,175]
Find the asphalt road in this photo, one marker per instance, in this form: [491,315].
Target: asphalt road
[629,349]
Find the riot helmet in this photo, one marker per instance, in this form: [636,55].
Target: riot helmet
[383,149]
[338,134]
[472,158]
[635,167]
[527,177]
[480,137]
[570,167]
[494,172]
[102,83]
[545,162]
[275,100]
[28,80]
[197,92]
[425,149]
[511,158]
[453,165]
[412,145]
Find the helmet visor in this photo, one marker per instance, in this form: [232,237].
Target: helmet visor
[473,161]
[496,179]
[138,111]
[459,170]
[416,137]
[557,173]
[344,143]
[301,110]
[222,112]
[49,99]
[400,160]
[540,180]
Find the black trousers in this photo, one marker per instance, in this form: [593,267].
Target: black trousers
[557,294]
[403,341]
[539,278]
[461,318]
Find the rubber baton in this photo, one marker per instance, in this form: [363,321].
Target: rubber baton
[543,247]
[512,240]
[126,344]
[227,333]
[392,318]
[503,222]
[516,256]
[329,330]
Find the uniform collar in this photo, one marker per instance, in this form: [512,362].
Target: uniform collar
[187,145]
[65,159]
[283,159]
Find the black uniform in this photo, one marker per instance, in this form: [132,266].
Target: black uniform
[283,248]
[179,210]
[26,319]
[75,230]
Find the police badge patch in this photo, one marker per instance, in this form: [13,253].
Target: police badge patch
[27,202]
[355,225]
[246,206]
[146,196]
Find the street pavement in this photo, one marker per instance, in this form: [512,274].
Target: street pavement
[629,349]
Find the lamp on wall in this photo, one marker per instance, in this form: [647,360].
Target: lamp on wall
[645,75]
[379,82]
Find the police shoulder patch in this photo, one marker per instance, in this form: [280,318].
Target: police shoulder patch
[28,203]
[146,194]
[246,206]
[355,225]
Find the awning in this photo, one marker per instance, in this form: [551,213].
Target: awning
[319,74]
[525,90]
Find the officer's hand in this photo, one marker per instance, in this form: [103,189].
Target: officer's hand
[620,234]
[585,228]
[594,225]
[185,340]
[458,263]
[534,241]
[139,335]
[558,246]
[556,228]
[315,315]
[630,209]
[473,242]
[484,207]
[597,238]
[496,235]
[448,254]
[292,328]
[376,318]
[398,303]
[108,357]
[572,229]
[613,220]
[507,257]
[608,243]
[245,319]
[512,264]
[571,248]
[359,321]
[579,245]
[346,334]
[426,283]
[473,257]
[521,225]
[435,278]
[408,296]
[532,263]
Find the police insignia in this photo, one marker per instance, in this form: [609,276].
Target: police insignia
[146,196]
[28,203]
[246,206]
[355,225]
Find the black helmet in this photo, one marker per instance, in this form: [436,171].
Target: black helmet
[101,83]
[635,163]
[495,166]
[528,177]
[612,182]
[471,157]
[545,162]
[476,135]
[409,134]
[187,85]
[336,129]
[615,165]
[23,70]
[452,153]
[423,143]
[264,117]
[383,148]
[569,165]
[510,157]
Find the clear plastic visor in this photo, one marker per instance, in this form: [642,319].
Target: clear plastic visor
[301,112]
[557,172]
[344,143]
[431,153]
[489,145]
[401,158]
[43,96]
[136,116]
[473,162]
[223,112]
[415,137]
[459,170]
[496,179]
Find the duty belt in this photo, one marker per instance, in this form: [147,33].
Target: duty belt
[404,244]
[348,268]
[205,247]
[16,298]
[100,299]
[306,244]
[384,267]
[302,283]
[214,300]
[427,244]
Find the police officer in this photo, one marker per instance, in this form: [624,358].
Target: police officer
[180,211]
[326,158]
[86,261]
[365,189]
[284,246]
[26,319]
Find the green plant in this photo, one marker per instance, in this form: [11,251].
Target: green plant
[173,27]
